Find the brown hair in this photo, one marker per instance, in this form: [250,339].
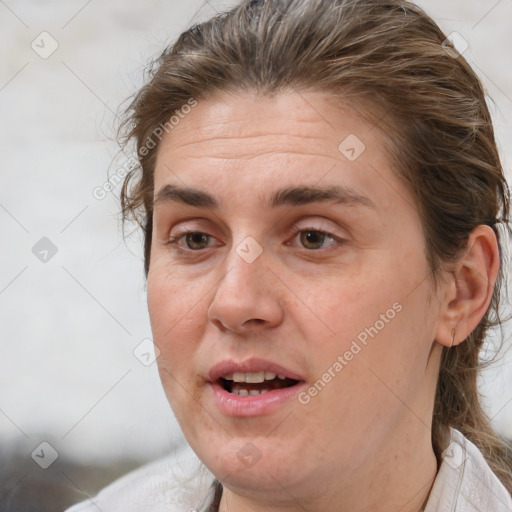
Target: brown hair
[394,62]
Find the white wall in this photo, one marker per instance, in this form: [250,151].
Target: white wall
[69,325]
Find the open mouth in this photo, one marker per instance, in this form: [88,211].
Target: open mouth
[254,383]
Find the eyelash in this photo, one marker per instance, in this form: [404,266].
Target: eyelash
[173,241]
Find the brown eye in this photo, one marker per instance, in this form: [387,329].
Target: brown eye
[314,238]
[194,239]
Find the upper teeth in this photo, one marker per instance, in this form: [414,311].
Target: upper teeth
[252,377]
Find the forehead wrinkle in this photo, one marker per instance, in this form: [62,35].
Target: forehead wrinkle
[180,144]
[246,157]
[252,147]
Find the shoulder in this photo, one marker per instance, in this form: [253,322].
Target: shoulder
[465,482]
[175,482]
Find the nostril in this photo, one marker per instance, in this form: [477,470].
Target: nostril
[255,320]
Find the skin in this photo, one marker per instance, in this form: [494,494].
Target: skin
[364,442]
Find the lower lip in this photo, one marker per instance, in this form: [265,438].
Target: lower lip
[255,405]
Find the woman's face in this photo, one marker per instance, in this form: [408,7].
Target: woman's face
[305,259]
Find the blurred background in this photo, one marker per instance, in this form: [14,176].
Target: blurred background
[80,397]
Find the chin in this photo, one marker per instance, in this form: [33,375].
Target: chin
[252,467]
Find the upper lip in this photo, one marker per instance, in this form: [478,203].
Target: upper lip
[250,365]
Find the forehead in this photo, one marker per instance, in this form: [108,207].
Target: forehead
[286,121]
[249,143]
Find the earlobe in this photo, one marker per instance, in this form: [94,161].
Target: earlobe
[469,288]
[454,332]
[449,329]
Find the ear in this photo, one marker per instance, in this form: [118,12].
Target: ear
[469,287]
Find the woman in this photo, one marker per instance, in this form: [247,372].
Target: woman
[321,197]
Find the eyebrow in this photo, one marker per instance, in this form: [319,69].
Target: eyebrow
[296,196]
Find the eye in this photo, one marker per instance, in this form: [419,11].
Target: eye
[312,238]
[193,239]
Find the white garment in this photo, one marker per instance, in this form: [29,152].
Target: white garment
[465,482]
[180,483]
[175,483]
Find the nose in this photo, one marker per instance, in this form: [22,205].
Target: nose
[247,296]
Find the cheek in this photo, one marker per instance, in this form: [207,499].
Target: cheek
[375,320]
[401,359]
[339,310]
[172,302]
[175,309]
[371,365]
[176,333]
